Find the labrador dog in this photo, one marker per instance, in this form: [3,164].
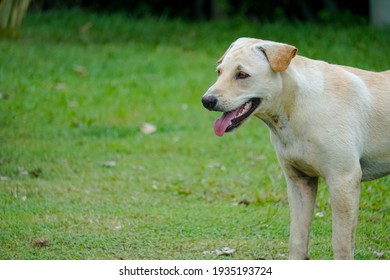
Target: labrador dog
[325,120]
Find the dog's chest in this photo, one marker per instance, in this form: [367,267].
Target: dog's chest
[299,152]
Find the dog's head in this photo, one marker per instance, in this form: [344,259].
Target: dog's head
[248,81]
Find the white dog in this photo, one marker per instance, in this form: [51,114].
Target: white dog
[325,121]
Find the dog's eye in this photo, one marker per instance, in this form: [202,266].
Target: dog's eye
[242,75]
[218,72]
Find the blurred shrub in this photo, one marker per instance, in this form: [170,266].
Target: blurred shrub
[270,10]
[12,13]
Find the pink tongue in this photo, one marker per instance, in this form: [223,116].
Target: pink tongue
[223,122]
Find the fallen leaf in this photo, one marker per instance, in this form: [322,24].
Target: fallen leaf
[216,165]
[81,70]
[320,214]
[4,178]
[379,254]
[109,163]
[137,168]
[86,26]
[35,173]
[148,128]
[60,86]
[260,158]
[22,171]
[41,242]
[245,202]
[226,251]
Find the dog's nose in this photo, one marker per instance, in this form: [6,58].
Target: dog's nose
[209,102]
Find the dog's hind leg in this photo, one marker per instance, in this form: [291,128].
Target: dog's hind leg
[344,192]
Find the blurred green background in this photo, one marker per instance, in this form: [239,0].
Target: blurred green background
[107,153]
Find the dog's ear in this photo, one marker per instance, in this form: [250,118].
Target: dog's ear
[279,55]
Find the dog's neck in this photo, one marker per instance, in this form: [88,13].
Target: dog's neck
[279,116]
[276,123]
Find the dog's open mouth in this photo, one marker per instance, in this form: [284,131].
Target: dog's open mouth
[233,119]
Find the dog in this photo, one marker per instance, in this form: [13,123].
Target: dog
[325,120]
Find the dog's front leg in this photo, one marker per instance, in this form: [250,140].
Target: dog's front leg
[302,191]
[344,190]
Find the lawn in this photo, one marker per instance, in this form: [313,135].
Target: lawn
[83,177]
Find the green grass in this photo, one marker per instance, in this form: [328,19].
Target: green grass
[73,98]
